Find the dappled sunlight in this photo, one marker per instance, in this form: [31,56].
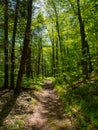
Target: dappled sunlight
[81,103]
[48,65]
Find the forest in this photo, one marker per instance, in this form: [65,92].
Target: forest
[48,65]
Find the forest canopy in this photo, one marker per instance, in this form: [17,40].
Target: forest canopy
[62,40]
[53,42]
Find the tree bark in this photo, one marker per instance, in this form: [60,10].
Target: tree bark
[39,56]
[57,27]
[90,68]
[96,35]
[42,65]
[52,39]
[6,68]
[28,63]
[13,46]
[53,59]
[84,44]
[25,47]
[57,59]
[59,36]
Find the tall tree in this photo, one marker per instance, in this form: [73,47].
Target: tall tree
[25,47]
[39,55]
[57,27]
[53,52]
[13,46]
[39,30]
[84,43]
[6,77]
[28,63]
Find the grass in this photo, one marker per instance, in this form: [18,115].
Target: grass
[16,125]
[82,104]
[36,83]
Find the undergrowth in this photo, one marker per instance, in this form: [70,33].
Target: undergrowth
[81,103]
[35,83]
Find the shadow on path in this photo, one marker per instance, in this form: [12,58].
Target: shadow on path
[7,108]
[3,91]
[49,113]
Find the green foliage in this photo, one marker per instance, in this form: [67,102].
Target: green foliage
[35,83]
[51,79]
[57,14]
[17,125]
[81,102]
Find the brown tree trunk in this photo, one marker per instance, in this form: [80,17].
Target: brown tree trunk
[84,44]
[57,59]
[53,53]
[13,46]
[28,63]
[90,68]
[6,68]
[42,64]
[59,37]
[97,57]
[39,56]
[45,68]
[25,47]
[57,27]
[53,59]
[96,35]
[38,61]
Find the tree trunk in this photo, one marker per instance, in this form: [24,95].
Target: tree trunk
[53,53]
[25,47]
[84,44]
[28,63]
[96,35]
[53,59]
[42,65]
[57,59]
[45,68]
[90,68]
[39,56]
[6,68]
[13,46]
[97,57]
[59,36]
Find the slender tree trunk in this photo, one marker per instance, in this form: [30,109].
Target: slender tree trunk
[53,55]
[59,37]
[57,58]
[84,44]
[59,41]
[6,68]
[97,57]
[39,56]
[38,62]
[96,35]
[90,68]
[25,47]
[42,64]
[45,68]
[13,46]
[53,59]
[28,63]
[57,27]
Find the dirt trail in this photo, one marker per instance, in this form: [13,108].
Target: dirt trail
[48,114]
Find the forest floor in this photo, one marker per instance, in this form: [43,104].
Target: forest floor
[34,110]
